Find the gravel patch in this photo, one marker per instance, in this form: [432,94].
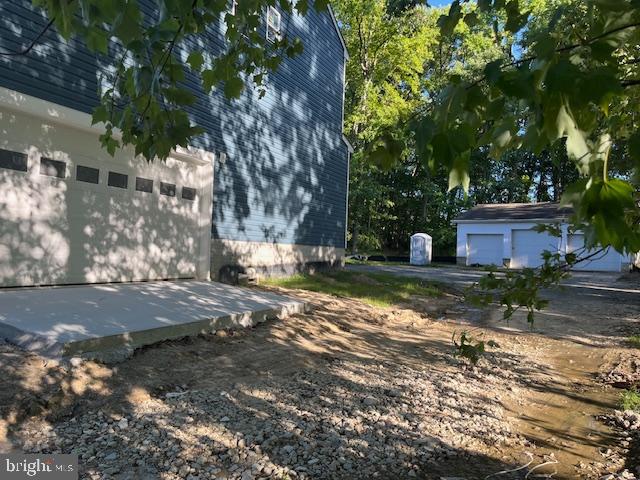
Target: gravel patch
[350,420]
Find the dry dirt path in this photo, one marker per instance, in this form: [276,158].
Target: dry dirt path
[347,391]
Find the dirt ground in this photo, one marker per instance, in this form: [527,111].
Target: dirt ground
[354,391]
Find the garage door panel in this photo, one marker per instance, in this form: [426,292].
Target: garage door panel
[608,261]
[484,249]
[527,247]
[62,230]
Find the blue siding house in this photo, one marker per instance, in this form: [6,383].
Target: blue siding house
[264,188]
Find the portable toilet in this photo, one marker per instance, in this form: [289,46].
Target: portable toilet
[420,249]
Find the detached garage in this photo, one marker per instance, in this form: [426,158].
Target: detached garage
[504,235]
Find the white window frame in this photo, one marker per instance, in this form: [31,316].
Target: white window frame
[274,29]
[234,7]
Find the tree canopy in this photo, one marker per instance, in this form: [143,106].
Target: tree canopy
[568,75]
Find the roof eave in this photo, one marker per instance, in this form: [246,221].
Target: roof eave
[512,220]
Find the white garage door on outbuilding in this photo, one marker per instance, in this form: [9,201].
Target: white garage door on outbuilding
[527,247]
[481,229]
[606,261]
[484,249]
[69,213]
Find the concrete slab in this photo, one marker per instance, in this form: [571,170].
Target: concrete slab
[110,320]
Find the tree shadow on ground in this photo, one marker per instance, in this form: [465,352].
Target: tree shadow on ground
[351,396]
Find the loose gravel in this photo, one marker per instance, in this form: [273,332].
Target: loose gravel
[350,420]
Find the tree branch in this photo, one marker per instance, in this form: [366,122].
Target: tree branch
[33,43]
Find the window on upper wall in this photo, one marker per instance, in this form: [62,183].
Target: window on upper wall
[52,168]
[233,8]
[13,160]
[274,19]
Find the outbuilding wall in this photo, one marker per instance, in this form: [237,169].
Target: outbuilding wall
[506,229]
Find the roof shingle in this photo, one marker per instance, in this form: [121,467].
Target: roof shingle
[516,211]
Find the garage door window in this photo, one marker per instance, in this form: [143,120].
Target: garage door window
[52,168]
[168,189]
[13,160]
[144,185]
[118,180]
[188,193]
[87,174]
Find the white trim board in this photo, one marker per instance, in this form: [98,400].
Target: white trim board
[335,24]
[521,220]
[69,117]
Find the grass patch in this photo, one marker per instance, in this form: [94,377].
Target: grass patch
[630,399]
[634,341]
[376,289]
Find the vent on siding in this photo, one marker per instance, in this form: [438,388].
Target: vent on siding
[52,168]
[144,185]
[87,174]
[168,189]
[118,180]
[13,160]
[188,193]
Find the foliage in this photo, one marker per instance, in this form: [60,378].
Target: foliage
[149,57]
[574,81]
[469,347]
[630,400]
[387,203]
[634,341]
[559,87]
[388,49]
[517,290]
[381,290]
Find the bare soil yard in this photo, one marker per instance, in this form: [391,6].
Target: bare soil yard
[347,391]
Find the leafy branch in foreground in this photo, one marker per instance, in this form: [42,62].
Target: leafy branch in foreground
[520,290]
[572,80]
[469,347]
[149,55]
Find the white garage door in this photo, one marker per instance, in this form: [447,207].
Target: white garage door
[69,213]
[608,261]
[484,249]
[527,247]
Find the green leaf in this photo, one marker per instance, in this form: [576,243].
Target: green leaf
[484,5]
[493,71]
[100,114]
[321,5]
[195,60]
[562,77]
[209,79]
[515,19]
[545,47]
[127,26]
[233,87]
[179,96]
[97,40]
[448,23]
[471,19]
[459,173]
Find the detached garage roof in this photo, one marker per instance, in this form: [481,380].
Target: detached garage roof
[510,212]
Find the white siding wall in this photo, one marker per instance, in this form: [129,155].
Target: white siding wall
[465,229]
[506,229]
